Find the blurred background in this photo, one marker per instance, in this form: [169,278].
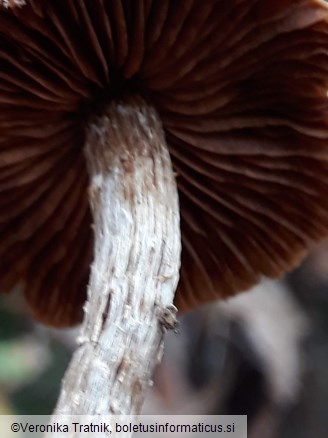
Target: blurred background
[263,354]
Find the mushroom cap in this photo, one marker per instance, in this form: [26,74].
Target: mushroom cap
[241,89]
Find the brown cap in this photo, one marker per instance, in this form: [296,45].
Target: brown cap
[241,88]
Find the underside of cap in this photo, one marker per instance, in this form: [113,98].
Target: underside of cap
[241,88]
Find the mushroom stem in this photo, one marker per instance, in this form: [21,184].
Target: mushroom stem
[134,275]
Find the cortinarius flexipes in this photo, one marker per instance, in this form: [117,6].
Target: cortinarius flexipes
[233,92]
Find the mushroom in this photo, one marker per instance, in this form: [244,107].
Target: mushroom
[96,99]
